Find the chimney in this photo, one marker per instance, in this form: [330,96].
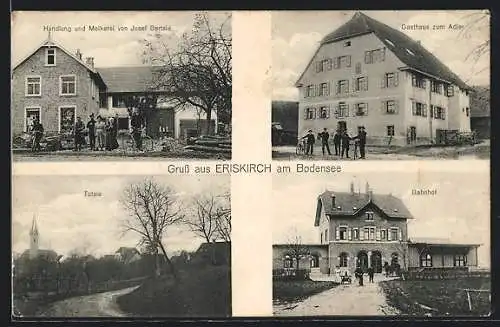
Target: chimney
[352,188]
[333,201]
[418,41]
[78,54]
[90,61]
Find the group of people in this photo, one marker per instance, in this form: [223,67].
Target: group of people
[341,141]
[358,273]
[101,129]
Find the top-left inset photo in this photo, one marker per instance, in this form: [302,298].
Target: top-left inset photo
[121,86]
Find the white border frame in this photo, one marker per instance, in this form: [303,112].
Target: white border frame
[39,108]
[59,115]
[60,85]
[26,86]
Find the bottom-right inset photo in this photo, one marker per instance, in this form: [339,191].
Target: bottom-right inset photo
[413,243]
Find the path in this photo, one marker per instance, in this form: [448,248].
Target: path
[95,305]
[346,300]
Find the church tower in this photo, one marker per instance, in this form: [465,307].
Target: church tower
[34,237]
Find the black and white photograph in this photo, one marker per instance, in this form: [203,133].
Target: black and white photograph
[380,85]
[121,85]
[357,245]
[121,246]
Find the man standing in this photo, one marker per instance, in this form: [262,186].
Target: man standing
[362,141]
[91,129]
[345,140]
[310,139]
[336,142]
[359,275]
[371,272]
[37,130]
[79,134]
[136,125]
[324,141]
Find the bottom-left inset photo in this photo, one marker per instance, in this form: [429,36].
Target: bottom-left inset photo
[121,246]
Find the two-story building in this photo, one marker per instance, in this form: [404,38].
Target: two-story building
[56,85]
[368,230]
[369,74]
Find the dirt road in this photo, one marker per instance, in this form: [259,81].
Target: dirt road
[95,305]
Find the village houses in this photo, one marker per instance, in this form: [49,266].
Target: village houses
[368,74]
[56,85]
[368,230]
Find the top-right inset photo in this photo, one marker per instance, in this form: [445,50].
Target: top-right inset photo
[381,85]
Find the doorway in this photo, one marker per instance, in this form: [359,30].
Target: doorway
[363,260]
[342,126]
[376,261]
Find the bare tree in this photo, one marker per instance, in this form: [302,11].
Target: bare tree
[196,69]
[152,209]
[296,249]
[477,26]
[223,218]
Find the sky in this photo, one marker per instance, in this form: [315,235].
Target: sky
[68,221]
[296,36]
[459,212]
[108,48]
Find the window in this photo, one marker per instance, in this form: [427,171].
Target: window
[450,91]
[418,81]
[369,233]
[323,90]
[460,260]
[355,234]
[323,65]
[321,237]
[50,57]
[309,91]
[390,130]
[436,87]
[347,43]
[324,113]
[390,80]
[309,113]
[369,216]
[374,56]
[343,233]
[419,109]
[67,85]
[390,107]
[343,259]
[344,61]
[467,111]
[326,235]
[438,112]
[343,86]
[394,234]
[119,101]
[361,109]
[67,119]
[343,110]
[358,68]
[361,84]
[33,86]
[383,234]
[30,114]
[425,260]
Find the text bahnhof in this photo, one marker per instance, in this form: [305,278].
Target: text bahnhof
[251,168]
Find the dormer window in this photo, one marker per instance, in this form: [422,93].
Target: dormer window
[410,52]
[50,57]
[354,208]
[369,216]
[395,210]
[339,207]
[389,41]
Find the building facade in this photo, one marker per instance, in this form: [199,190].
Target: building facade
[368,74]
[369,230]
[56,86]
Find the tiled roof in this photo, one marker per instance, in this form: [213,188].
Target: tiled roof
[350,204]
[417,58]
[127,79]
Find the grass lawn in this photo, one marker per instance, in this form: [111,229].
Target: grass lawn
[201,291]
[438,297]
[290,291]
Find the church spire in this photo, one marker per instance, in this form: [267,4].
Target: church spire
[34,239]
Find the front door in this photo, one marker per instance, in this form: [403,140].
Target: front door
[342,125]
[67,119]
[363,260]
[376,261]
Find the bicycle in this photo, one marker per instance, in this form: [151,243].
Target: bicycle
[128,143]
[301,147]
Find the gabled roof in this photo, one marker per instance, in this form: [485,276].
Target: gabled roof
[410,52]
[350,204]
[128,79]
[51,43]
